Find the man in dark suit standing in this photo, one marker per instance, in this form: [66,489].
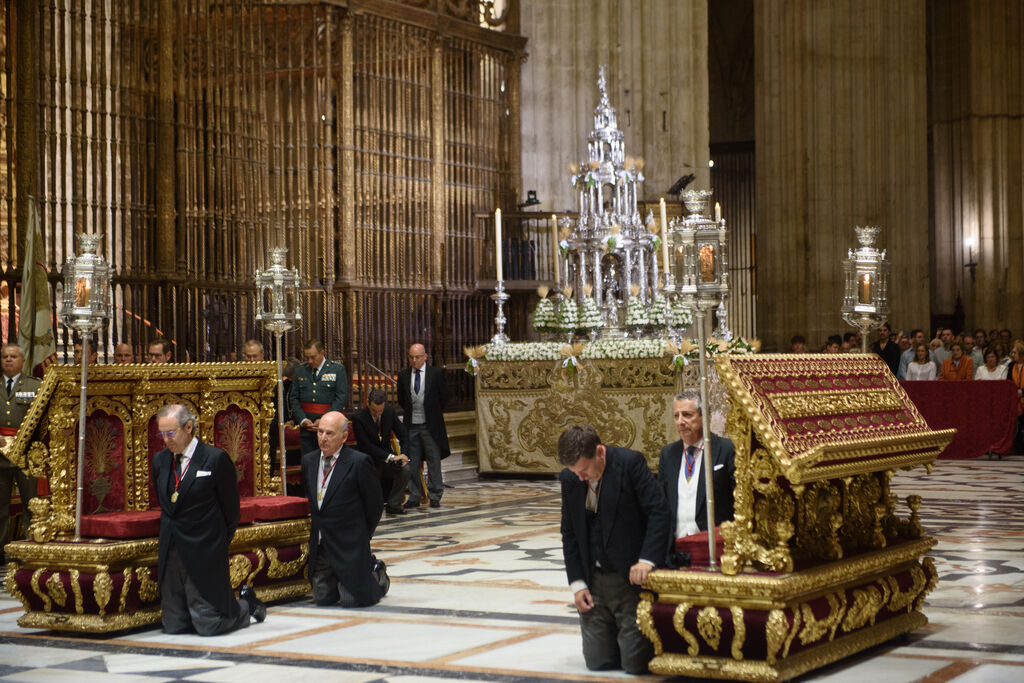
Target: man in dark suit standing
[615,529]
[373,426]
[681,471]
[197,487]
[422,394]
[318,385]
[16,394]
[345,502]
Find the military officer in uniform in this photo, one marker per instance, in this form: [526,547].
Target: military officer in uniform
[17,392]
[318,387]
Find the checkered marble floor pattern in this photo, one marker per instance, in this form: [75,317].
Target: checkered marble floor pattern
[479,593]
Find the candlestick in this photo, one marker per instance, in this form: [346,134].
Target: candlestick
[497,246]
[554,247]
[664,238]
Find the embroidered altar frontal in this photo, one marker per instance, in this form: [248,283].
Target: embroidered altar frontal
[817,563]
[523,406]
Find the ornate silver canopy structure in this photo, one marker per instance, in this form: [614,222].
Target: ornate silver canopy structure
[866,298]
[610,248]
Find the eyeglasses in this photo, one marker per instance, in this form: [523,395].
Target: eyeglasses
[169,434]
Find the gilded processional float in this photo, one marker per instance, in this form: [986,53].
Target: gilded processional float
[817,564]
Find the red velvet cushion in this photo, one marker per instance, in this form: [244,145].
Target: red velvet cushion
[247,510]
[134,524]
[273,508]
[697,547]
[292,438]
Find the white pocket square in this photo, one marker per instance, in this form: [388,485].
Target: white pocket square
[206,473]
[718,467]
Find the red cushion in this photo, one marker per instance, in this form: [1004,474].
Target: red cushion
[292,438]
[696,546]
[133,524]
[273,508]
[247,511]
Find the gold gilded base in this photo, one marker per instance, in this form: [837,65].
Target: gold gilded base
[103,586]
[761,626]
[762,672]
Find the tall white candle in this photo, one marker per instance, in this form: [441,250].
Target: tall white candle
[718,212]
[554,247]
[497,244]
[664,237]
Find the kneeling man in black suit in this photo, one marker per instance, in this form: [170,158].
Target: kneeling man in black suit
[615,526]
[345,503]
[197,488]
[373,426]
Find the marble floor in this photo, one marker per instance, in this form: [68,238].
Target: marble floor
[479,593]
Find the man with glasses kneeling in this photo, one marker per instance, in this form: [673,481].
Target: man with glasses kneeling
[197,487]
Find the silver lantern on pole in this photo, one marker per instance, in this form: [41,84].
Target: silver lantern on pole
[277,309]
[85,309]
[701,275]
[866,294]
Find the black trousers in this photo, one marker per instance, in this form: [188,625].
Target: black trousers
[611,638]
[184,609]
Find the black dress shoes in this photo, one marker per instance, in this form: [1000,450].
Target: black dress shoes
[395,510]
[380,573]
[257,610]
[435,503]
[411,504]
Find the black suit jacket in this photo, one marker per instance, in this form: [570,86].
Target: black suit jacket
[346,519]
[377,444]
[434,398]
[203,521]
[635,519]
[723,457]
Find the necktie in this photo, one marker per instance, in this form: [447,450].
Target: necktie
[690,450]
[416,386]
[328,466]
[177,464]
[10,386]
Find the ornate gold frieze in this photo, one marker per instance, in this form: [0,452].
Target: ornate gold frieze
[55,589]
[679,624]
[815,629]
[149,590]
[645,620]
[102,589]
[282,570]
[126,586]
[38,590]
[775,634]
[709,626]
[239,567]
[739,631]
[76,588]
[819,403]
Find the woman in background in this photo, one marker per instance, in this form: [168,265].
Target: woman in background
[991,369]
[921,367]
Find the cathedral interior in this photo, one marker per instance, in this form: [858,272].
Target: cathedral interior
[374,139]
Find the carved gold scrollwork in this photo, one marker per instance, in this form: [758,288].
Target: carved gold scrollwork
[905,599]
[645,621]
[126,586]
[933,579]
[539,430]
[239,567]
[149,589]
[652,433]
[37,589]
[102,589]
[815,403]
[679,624]
[261,562]
[819,520]
[739,632]
[709,626]
[775,634]
[38,459]
[281,570]
[42,529]
[814,628]
[504,454]
[863,609]
[797,621]
[56,589]
[76,588]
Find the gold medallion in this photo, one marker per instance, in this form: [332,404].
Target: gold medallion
[174,497]
[319,495]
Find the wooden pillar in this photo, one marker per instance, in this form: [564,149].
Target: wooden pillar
[438,224]
[840,92]
[348,156]
[26,145]
[977,140]
[165,161]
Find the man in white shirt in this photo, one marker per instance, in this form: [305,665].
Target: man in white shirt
[681,471]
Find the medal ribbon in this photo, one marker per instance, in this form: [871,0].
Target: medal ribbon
[177,479]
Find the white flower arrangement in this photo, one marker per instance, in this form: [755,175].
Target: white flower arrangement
[517,351]
[624,348]
[590,314]
[636,313]
[544,316]
[682,317]
[657,312]
[568,314]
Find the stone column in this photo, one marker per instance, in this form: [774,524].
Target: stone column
[977,140]
[656,52]
[840,101]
